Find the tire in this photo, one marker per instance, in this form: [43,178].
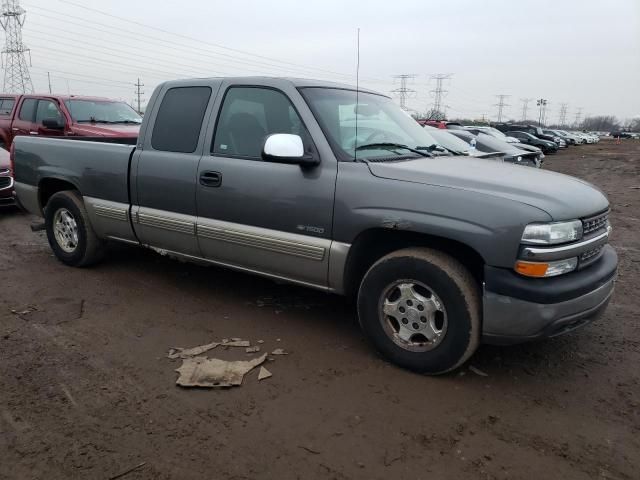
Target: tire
[82,249]
[454,296]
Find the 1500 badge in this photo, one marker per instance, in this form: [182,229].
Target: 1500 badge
[310,229]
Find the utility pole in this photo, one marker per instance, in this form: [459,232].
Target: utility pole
[49,80]
[439,92]
[578,116]
[541,103]
[403,92]
[139,94]
[16,72]
[525,107]
[563,114]
[501,98]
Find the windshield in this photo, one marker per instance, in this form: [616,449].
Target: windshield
[380,122]
[494,132]
[448,140]
[102,111]
[487,143]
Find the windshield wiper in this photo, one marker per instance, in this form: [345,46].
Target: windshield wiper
[391,146]
[437,146]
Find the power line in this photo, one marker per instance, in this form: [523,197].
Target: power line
[403,91]
[231,56]
[139,94]
[16,71]
[501,98]
[525,107]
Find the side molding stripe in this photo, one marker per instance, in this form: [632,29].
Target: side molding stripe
[263,242]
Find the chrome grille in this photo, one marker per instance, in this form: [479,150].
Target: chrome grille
[591,253]
[593,224]
[5,182]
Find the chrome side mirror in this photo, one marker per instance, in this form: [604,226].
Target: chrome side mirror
[286,148]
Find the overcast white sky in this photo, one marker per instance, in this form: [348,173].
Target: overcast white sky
[582,52]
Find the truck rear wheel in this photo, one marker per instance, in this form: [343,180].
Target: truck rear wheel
[69,230]
[421,309]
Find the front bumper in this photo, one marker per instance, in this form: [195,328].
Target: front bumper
[7,195]
[518,309]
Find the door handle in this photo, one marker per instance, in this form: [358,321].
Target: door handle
[33,133]
[211,179]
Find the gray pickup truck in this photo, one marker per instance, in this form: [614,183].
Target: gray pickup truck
[340,190]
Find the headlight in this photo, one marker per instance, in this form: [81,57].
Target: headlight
[546,269]
[552,233]
[519,159]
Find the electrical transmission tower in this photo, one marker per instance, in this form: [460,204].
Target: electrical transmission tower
[563,114]
[139,94]
[439,93]
[403,91]
[578,115]
[501,105]
[14,61]
[525,107]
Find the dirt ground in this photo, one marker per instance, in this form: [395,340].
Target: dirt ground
[86,390]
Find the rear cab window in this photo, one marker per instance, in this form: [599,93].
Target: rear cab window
[6,106]
[179,119]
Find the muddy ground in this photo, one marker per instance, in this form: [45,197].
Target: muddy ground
[86,390]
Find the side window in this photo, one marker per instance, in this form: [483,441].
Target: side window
[47,109]
[248,116]
[28,110]
[179,119]
[6,106]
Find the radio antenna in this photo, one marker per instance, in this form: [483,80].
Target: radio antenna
[355,151]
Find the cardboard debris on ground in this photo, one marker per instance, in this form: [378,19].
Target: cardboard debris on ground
[236,343]
[252,349]
[179,352]
[213,372]
[279,351]
[264,373]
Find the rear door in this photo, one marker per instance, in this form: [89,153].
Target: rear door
[24,121]
[262,216]
[165,167]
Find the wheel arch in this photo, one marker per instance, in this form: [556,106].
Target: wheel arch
[49,186]
[372,244]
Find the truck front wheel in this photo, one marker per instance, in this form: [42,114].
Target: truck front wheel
[421,310]
[69,231]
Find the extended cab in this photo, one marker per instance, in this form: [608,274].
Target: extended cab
[313,183]
[69,116]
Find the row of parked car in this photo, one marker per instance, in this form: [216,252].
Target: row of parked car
[513,143]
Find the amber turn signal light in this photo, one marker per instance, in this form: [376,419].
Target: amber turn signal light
[531,269]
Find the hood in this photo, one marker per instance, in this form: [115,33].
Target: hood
[561,196]
[105,130]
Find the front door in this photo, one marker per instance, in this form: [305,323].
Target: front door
[263,216]
[48,109]
[24,122]
[165,169]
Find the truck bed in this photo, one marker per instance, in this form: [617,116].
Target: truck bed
[95,168]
